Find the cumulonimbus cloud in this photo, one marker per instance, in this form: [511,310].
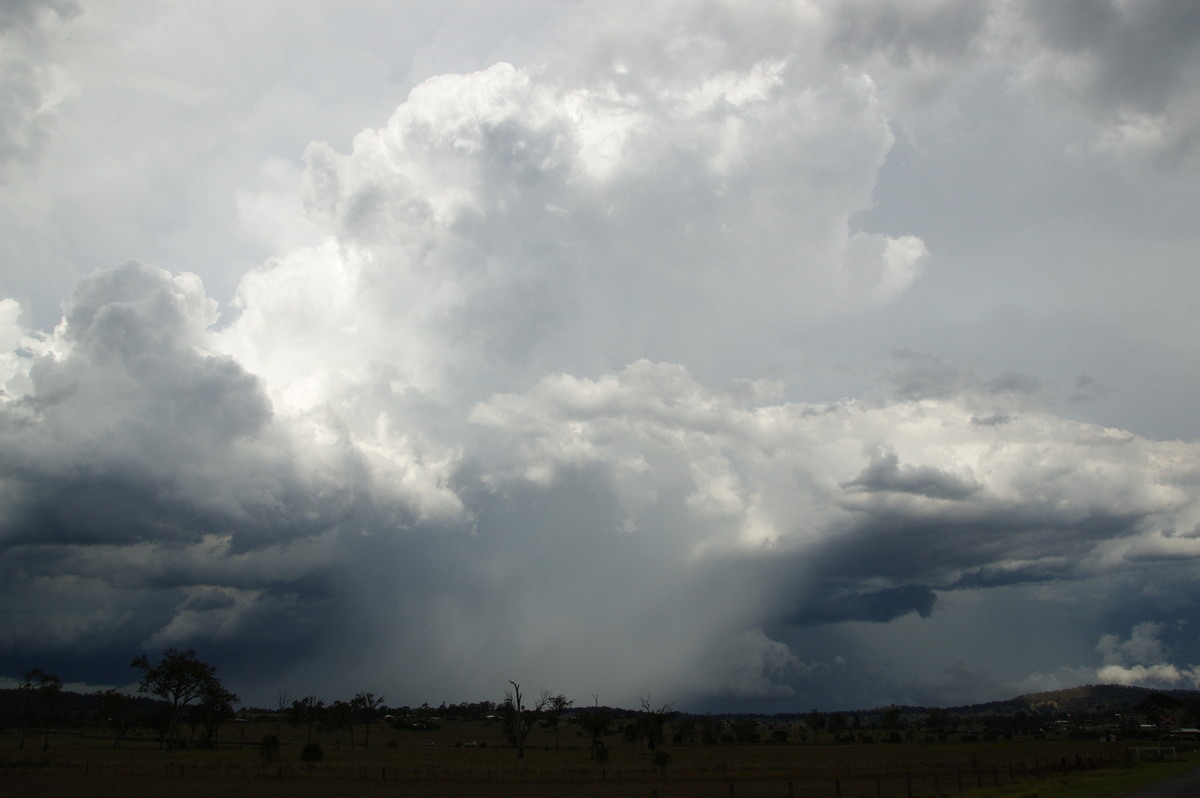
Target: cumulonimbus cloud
[500,417]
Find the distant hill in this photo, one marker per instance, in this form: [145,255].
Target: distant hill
[68,706]
[1091,699]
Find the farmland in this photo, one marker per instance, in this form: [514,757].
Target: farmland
[467,758]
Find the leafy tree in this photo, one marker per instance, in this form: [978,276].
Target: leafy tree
[179,678]
[366,706]
[661,759]
[596,723]
[1160,710]
[340,719]
[939,720]
[836,724]
[745,731]
[633,734]
[216,707]
[685,730]
[117,711]
[555,708]
[710,730]
[47,686]
[307,711]
[816,722]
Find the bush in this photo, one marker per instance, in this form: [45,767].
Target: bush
[268,749]
[312,753]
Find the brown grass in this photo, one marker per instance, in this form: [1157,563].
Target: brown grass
[83,764]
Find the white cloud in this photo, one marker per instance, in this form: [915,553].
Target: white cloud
[1141,660]
[533,378]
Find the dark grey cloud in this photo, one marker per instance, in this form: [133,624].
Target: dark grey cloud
[1138,55]
[909,36]
[886,473]
[133,432]
[874,606]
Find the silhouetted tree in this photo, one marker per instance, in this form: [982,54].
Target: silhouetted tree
[281,705]
[653,722]
[366,706]
[816,722]
[1160,710]
[519,719]
[216,706]
[340,718]
[47,687]
[117,711]
[179,678]
[745,731]
[596,723]
[940,720]
[836,723]
[306,711]
[557,705]
[685,730]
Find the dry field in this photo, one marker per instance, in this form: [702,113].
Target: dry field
[440,763]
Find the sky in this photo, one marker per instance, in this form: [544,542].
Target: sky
[756,356]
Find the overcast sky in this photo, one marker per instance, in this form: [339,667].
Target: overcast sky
[744,355]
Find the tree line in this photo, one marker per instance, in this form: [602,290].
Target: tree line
[179,691]
[189,695]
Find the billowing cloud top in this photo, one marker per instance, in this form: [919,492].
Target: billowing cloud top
[625,364]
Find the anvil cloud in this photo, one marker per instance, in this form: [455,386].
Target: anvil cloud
[760,356]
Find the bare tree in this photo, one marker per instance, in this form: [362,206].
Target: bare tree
[653,722]
[597,722]
[518,719]
[281,704]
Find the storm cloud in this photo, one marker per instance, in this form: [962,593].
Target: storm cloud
[620,359]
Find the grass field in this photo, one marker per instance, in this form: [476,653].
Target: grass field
[83,763]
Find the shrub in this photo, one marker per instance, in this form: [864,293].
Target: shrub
[312,753]
[268,749]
